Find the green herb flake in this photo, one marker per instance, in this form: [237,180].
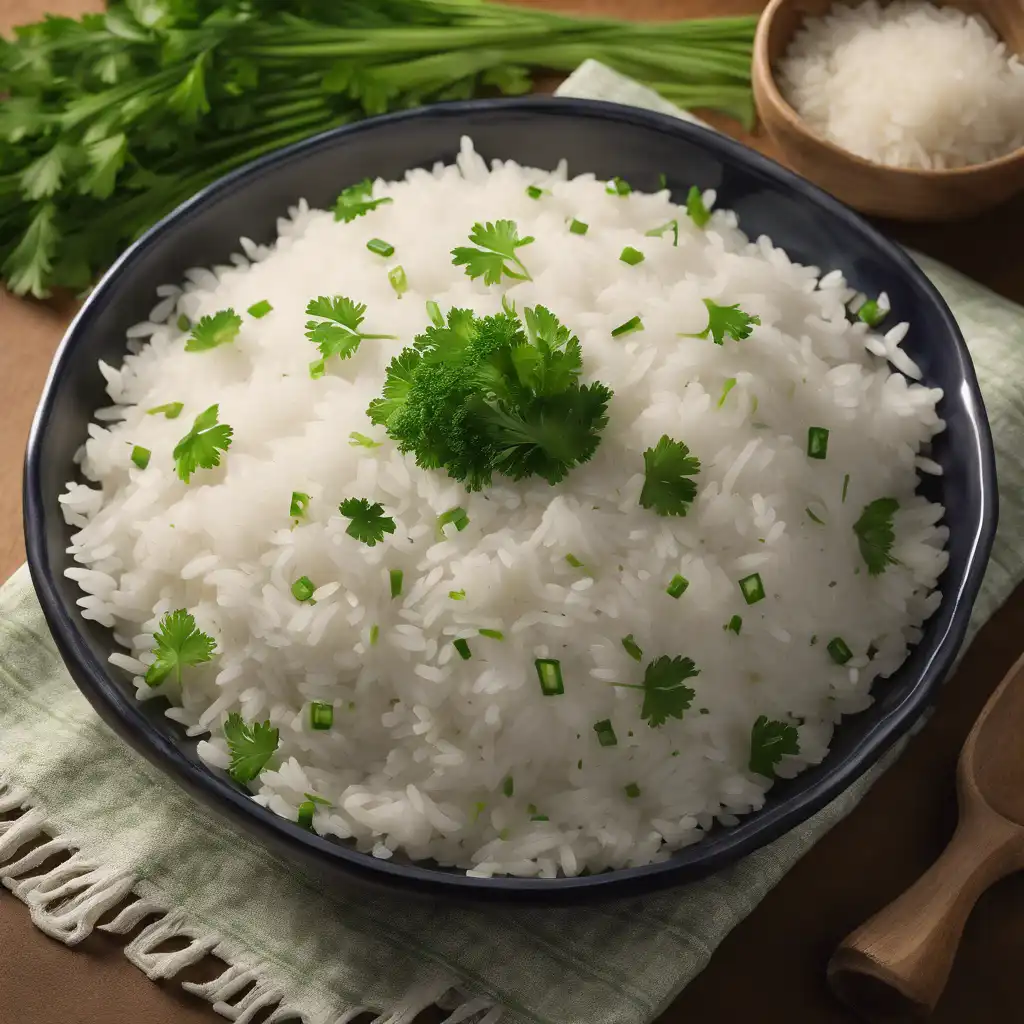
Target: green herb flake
[814,639]
[178,643]
[578,227]
[672,225]
[632,648]
[303,588]
[201,447]
[813,518]
[434,312]
[677,586]
[457,595]
[549,672]
[141,456]
[752,588]
[540,817]
[367,521]
[871,313]
[251,746]
[734,625]
[698,212]
[317,369]
[631,256]
[299,505]
[508,787]
[605,733]
[169,410]
[313,798]
[463,648]
[258,310]
[838,650]
[398,281]
[726,321]
[357,440]
[321,715]
[632,790]
[494,247]
[668,471]
[875,534]
[357,200]
[380,248]
[769,741]
[618,187]
[817,442]
[456,516]
[374,634]
[573,561]
[535,191]
[634,323]
[305,815]
[846,486]
[183,323]
[492,634]
[478,808]
[730,383]
[213,331]
[395,577]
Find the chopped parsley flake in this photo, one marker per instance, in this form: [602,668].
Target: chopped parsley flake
[357,200]
[368,522]
[535,191]
[251,746]
[508,787]
[169,410]
[260,309]
[875,534]
[727,321]
[494,245]
[695,207]
[357,440]
[457,595]
[573,561]
[734,625]
[213,331]
[769,741]
[578,227]
[846,486]
[200,448]
[632,790]
[178,643]
[605,733]
[668,469]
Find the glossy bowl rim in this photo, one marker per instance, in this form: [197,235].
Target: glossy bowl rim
[120,708]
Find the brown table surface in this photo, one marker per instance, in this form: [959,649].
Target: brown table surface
[771,968]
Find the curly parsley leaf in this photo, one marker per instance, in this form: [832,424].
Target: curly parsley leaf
[769,741]
[668,487]
[213,331]
[200,448]
[357,200]
[336,332]
[665,693]
[875,534]
[251,746]
[497,243]
[178,643]
[727,321]
[368,521]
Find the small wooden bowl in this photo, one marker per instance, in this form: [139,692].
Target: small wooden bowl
[869,187]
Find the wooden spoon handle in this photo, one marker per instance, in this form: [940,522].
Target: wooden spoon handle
[895,966]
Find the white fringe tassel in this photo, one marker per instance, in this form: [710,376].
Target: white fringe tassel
[67,900]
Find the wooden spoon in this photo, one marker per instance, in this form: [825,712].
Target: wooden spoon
[895,966]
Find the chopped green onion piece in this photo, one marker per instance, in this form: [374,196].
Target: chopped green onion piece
[634,323]
[299,505]
[837,648]
[549,672]
[535,191]
[871,313]
[632,791]
[357,440]
[752,588]
[395,577]
[434,312]
[504,834]
[463,648]
[313,798]
[374,634]
[631,256]
[478,808]
[730,383]
[814,518]
[493,634]
[817,442]
[302,588]
[508,787]
[317,369]
[579,227]
[141,456]
[456,516]
[306,811]
[184,323]
[260,309]
[662,181]
[662,228]
[695,207]
[171,410]
[573,561]
[321,716]
[677,587]
[734,625]
[540,817]
[618,187]
[605,733]
[531,808]
[380,247]
[457,595]
[846,486]
[398,280]
[632,647]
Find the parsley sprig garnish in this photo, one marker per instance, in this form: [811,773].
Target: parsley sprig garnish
[727,321]
[251,746]
[200,448]
[665,693]
[336,331]
[769,741]
[668,471]
[481,395]
[875,534]
[368,523]
[178,643]
[496,245]
[213,331]
[357,200]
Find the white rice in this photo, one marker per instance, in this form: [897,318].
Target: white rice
[423,741]
[908,84]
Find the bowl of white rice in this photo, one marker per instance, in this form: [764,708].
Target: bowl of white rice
[534,499]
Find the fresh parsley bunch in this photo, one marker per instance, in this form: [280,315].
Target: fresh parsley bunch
[480,395]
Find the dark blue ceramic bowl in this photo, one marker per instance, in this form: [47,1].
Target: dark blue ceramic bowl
[608,140]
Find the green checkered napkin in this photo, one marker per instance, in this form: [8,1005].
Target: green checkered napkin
[324,955]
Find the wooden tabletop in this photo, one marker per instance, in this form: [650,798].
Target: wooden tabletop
[771,969]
